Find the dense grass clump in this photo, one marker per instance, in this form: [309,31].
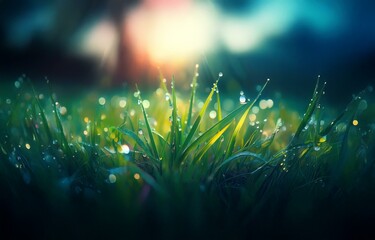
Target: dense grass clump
[169,166]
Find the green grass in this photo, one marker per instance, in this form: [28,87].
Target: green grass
[161,164]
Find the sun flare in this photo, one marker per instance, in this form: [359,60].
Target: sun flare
[172,33]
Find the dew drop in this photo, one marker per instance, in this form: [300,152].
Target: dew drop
[213,114]
[112,178]
[242,99]
[146,103]
[125,149]
[136,94]
[167,97]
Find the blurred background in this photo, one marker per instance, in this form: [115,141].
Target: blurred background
[96,43]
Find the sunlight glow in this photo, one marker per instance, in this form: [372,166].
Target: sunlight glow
[178,33]
[101,40]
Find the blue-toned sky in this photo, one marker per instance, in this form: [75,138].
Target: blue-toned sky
[289,41]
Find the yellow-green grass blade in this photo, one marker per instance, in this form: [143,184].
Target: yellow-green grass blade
[219,111]
[199,118]
[206,136]
[210,143]
[240,123]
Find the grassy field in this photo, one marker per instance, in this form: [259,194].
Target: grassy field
[167,165]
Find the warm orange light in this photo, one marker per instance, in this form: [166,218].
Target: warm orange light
[171,34]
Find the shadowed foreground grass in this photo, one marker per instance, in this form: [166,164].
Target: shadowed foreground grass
[168,166]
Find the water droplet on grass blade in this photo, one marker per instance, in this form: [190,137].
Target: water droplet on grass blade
[167,97]
[242,99]
[112,178]
[146,103]
[125,149]
[213,114]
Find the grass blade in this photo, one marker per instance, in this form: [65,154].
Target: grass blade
[210,143]
[154,150]
[43,116]
[175,128]
[192,99]
[212,131]
[310,110]
[240,123]
[219,111]
[145,176]
[239,155]
[200,116]
[60,127]
[163,83]
[136,138]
